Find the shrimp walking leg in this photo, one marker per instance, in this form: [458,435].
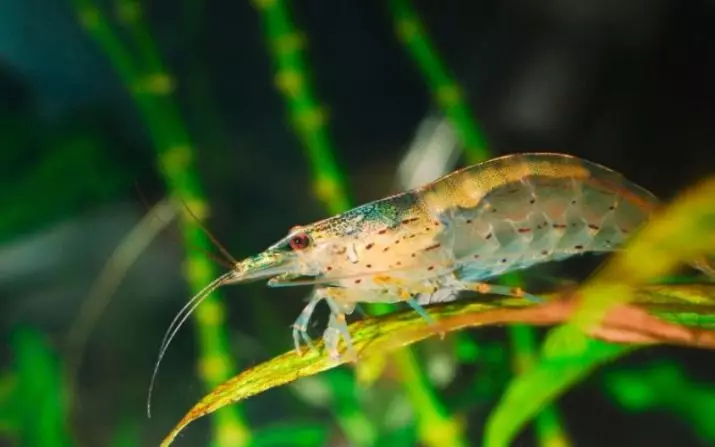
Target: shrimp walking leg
[300,326]
[337,328]
[414,303]
[420,310]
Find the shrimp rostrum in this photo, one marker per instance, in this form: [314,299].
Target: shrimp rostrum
[451,235]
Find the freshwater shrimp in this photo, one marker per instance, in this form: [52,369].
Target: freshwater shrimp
[451,235]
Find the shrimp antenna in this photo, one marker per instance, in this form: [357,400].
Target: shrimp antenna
[176,324]
[221,261]
[210,235]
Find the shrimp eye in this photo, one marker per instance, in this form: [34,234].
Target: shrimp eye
[299,241]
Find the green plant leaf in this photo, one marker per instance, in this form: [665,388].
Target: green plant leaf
[8,396]
[388,333]
[42,409]
[542,384]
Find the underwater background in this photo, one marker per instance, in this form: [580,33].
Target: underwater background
[261,115]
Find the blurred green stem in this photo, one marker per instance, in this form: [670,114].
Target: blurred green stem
[152,87]
[448,95]
[445,90]
[548,425]
[308,119]
[308,123]
[306,115]
[40,409]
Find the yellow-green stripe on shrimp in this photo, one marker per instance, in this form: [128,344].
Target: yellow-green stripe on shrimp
[451,235]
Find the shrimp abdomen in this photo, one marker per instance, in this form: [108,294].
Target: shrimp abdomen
[519,210]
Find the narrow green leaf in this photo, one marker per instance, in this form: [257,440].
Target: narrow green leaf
[8,396]
[390,332]
[42,408]
[545,382]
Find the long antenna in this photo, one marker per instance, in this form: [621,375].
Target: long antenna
[176,324]
[228,261]
[215,241]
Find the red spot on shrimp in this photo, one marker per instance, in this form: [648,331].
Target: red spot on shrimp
[382,231]
[524,230]
[559,226]
[432,247]
[358,281]
[431,267]
[369,246]
[411,219]
[594,227]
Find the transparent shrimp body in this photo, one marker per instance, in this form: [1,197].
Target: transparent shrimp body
[453,234]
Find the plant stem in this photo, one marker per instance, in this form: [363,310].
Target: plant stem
[307,116]
[151,87]
[308,119]
[445,90]
[448,95]
[549,430]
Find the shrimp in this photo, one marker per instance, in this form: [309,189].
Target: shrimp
[451,235]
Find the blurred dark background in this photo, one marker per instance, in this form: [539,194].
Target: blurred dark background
[629,84]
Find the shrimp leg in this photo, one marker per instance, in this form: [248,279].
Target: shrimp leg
[300,326]
[420,310]
[337,327]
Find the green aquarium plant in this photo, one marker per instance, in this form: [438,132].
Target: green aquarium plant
[613,313]
[286,43]
[452,101]
[151,86]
